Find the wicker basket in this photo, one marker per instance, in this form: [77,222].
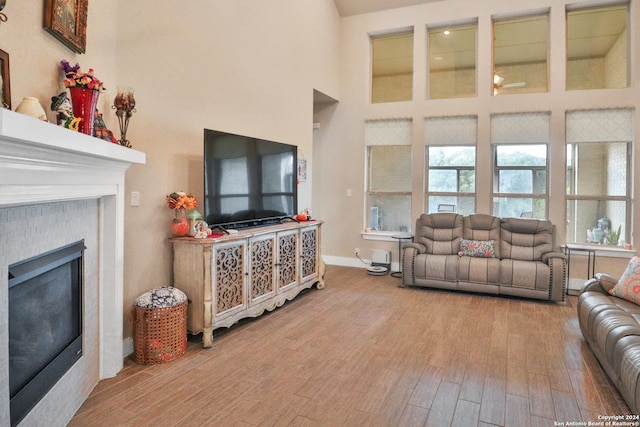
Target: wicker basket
[160,333]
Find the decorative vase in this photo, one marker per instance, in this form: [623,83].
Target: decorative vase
[83,103]
[31,107]
[195,218]
[180,223]
[598,235]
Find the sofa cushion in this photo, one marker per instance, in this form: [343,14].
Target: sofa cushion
[525,274]
[477,248]
[483,227]
[479,270]
[628,286]
[440,233]
[525,239]
[436,267]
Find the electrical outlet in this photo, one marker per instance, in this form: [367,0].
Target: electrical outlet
[357,251]
[135,198]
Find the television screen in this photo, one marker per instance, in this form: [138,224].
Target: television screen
[248,181]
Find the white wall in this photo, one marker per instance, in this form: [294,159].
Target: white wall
[34,54]
[342,155]
[241,66]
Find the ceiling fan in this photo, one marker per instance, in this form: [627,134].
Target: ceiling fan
[498,83]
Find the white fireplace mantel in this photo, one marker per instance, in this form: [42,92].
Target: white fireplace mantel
[42,163]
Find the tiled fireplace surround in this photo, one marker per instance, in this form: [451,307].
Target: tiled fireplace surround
[58,187]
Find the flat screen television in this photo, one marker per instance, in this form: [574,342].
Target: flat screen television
[248,181]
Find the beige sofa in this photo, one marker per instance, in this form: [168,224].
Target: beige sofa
[516,256]
[611,326]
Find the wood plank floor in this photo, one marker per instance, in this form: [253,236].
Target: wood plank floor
[363,352]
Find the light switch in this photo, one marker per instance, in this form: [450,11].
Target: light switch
[348,192]
[135,198]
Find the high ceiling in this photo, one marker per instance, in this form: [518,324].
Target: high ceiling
[357,7]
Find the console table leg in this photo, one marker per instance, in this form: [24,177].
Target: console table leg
[321,269]
[207,338]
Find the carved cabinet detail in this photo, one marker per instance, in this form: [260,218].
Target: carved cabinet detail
[263,260]
[228,273]
[245,274]
[287,259]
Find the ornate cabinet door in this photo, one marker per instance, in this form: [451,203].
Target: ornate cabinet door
[309,253]
[228,279]
[287,259]
[262,283]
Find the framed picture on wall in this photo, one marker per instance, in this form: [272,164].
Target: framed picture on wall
[66,20]
[302,170]
[5,83]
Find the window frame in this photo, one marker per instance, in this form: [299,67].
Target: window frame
[431,59]
[500,83]
[573,197]
[431,193]
[369,193]
[571,9]
[397,33]
[496,169]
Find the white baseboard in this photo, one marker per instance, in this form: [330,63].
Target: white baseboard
[352,262]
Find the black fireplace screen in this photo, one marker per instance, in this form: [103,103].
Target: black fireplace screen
[45,324]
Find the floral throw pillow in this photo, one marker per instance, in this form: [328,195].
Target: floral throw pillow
[628,287]
[477,248]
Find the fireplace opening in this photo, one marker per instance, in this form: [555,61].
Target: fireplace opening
[45,324]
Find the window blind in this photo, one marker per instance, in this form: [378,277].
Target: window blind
[451,130]
[520,128]
[599,126]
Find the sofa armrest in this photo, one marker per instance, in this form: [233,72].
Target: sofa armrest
[547,257]
[557,263]
[409,252]
[419,247]
[602,283]
[607,281]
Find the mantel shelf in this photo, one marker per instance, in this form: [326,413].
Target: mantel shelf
[39,135]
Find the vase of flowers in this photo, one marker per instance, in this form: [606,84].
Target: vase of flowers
[84,89]
[180,202]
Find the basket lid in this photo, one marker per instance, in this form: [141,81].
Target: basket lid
[161,297]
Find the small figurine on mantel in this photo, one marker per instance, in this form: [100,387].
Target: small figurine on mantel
[61,105]
[100,129]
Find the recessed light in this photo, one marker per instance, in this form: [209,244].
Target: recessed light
[437,58]
[446,32]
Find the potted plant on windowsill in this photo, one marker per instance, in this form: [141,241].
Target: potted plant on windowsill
[614,236]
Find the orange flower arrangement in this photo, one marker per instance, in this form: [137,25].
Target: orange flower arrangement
[180,199]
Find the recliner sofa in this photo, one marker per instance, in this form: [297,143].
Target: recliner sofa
[486,254]
[611,326]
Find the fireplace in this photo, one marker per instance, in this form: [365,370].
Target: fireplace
[58,187]
[45,324]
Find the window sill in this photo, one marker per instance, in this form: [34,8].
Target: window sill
[601,251]
[384,236]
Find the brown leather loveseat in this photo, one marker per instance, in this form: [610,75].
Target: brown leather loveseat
[484,253]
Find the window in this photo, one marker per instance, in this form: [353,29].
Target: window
[598,175]
[389,175]
[597,48]
[520,55]
[452,61]
[520,164]
[452,179]
[520,181]
[392,67]
[451,159]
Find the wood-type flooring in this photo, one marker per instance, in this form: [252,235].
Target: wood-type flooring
[364,352]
